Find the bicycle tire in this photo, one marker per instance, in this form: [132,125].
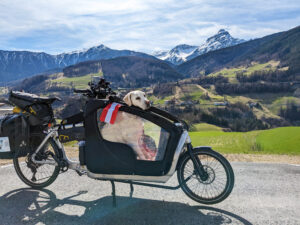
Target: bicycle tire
[218,158]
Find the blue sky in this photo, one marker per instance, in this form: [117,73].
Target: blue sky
[57,26]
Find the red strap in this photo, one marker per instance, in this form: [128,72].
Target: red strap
[114,114]
[104,112]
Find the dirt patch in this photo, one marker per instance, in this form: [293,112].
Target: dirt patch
[5,162]
[72,152]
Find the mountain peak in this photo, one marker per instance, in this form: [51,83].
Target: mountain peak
[84,50]
[177,54]
[222,31]
[222,35]
[184,52]
[101,46]
[184,48]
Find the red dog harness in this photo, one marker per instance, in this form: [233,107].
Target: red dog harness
[109,113]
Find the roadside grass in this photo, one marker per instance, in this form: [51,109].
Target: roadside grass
[283,140]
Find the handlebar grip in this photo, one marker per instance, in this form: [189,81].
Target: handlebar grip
[81,90]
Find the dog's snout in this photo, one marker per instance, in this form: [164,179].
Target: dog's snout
[147,102]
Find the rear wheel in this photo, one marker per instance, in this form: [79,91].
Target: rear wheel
[218,183]
[38,175]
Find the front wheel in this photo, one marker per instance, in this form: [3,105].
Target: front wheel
[218,183]
[38,175]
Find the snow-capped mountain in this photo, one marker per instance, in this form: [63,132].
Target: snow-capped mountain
[94,53]
[20,64]
[16,65]
[182,53]
[176,55]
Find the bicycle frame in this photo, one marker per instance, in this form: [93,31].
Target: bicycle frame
[74,165]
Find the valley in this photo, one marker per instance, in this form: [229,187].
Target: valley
[246,86]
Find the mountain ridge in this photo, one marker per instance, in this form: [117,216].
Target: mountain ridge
[183,52]
[283,46]
[123,71]
[16,65]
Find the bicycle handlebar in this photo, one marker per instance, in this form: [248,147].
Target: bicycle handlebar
[98,90]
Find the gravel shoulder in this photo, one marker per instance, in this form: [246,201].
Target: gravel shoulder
[72,152]
[289,159]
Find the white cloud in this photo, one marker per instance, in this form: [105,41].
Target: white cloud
[63,25]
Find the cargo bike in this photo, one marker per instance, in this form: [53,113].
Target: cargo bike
[31,137]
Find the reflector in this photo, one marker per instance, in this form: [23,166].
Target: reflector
[4,144]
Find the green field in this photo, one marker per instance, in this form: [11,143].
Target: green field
[76,82]
[282,102]
[231,72]
[284,140]
[205,127]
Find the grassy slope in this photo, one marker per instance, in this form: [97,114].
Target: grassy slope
[205,127]
[231,72]
[284,140]
[187,92]
[282,102]
[78,82]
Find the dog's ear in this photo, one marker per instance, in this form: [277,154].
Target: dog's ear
[127,99]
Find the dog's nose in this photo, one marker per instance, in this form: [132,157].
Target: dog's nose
[147,102]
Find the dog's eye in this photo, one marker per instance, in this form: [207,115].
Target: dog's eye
[138,98]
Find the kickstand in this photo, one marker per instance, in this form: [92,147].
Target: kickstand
[113,193]
[131,189]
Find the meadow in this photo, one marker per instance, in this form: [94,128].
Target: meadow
[283,140]
[76,82]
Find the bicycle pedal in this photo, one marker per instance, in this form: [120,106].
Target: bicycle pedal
[80,173]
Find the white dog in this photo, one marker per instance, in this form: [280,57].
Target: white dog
[137,98]
[129,128]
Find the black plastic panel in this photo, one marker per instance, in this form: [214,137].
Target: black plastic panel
[116,158]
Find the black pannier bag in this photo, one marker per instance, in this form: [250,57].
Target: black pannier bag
[14,136]
[39,108]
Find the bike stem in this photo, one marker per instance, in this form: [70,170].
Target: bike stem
[197,163]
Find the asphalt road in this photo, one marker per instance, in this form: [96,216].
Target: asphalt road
[263,194]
